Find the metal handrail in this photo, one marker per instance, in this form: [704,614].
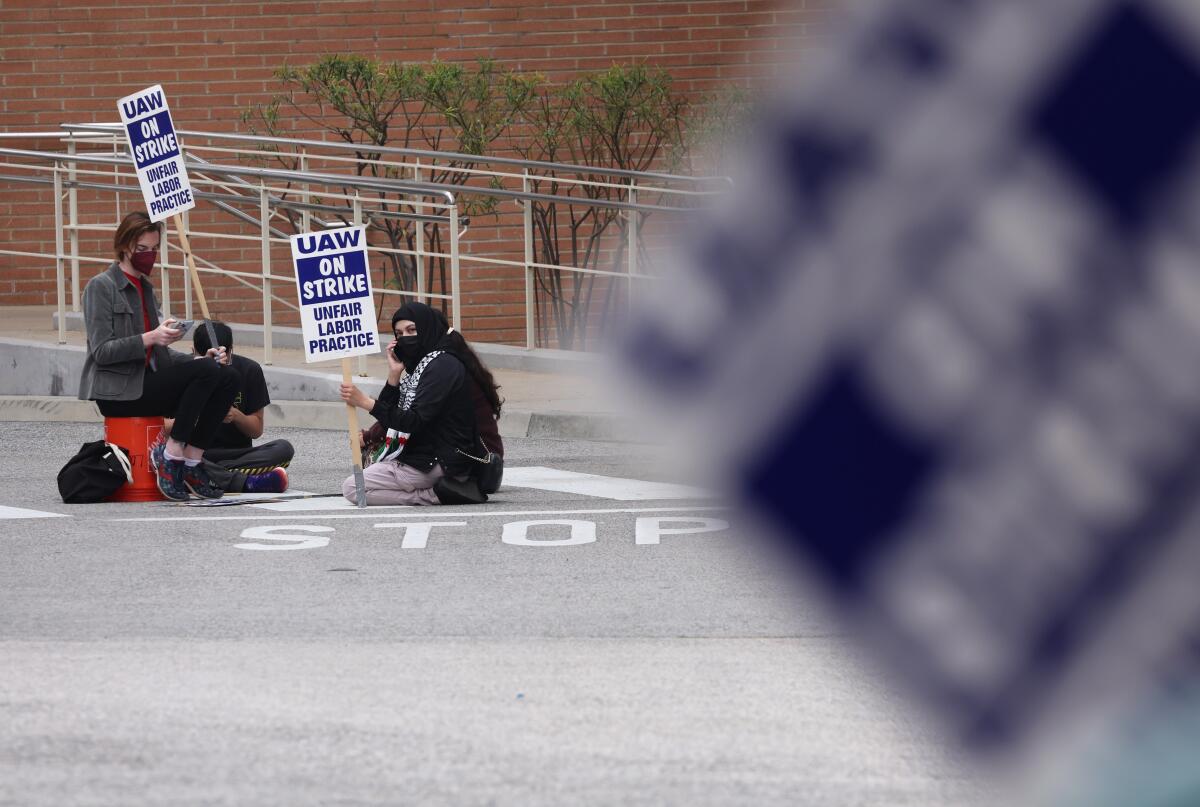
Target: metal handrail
[227,181]
[446,190]
[217,198]
[52,161]
[57,135]
[280,203]
[233,211]
[421,189]
[450,155]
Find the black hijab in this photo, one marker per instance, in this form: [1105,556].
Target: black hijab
[432,329]
[434,333]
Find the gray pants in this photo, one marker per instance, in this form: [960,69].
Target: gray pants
[391,482]
[229,467]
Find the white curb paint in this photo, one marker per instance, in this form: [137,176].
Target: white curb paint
[20,512]
[602,487]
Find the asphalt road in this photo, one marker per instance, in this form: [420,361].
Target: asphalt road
[155,654]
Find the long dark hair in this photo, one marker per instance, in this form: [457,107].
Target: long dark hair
[434,333]
[456,343]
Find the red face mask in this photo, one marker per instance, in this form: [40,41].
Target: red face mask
[144,261]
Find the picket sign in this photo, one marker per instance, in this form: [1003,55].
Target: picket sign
[162,174]
[337,314]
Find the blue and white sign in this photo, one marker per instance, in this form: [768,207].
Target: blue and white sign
[945,351]
[156,153]
[333,283]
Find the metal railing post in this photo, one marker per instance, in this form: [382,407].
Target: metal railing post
[187,276]
[165,275]
[527,220]
[419,228]
[116,181]
[305,215]
[455,287]
[61,281]
[164,259]
[73,221]
[306,195]
[358,220]
[163,272]
[632,244]
[264,220]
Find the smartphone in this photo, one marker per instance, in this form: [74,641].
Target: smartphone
[183,325]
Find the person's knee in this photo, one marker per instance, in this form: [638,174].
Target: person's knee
[348,490]
[284,450]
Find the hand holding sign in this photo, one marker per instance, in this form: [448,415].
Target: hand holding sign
[353,396]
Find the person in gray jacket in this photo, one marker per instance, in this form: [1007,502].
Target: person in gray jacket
[130,371]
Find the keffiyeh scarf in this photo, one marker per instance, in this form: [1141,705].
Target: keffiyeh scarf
[393,443]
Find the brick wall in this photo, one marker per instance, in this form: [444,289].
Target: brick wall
[70,61]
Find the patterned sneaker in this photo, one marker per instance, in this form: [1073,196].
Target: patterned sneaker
[197,481]
[168,473]
[273,481]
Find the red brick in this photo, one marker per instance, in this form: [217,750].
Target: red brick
[214,64]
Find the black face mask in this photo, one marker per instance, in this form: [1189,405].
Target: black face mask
[408,350]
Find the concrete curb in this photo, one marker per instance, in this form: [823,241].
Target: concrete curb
[37,368]
[41,380]
[329,416]
[44,408]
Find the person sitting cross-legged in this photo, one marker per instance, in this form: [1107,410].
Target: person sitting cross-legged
[233,462]
[436,388]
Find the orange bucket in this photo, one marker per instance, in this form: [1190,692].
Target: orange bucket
[136,435]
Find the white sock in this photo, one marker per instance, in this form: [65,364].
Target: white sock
[167,453]
[191,463]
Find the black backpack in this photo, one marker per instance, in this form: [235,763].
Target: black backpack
[95,473]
